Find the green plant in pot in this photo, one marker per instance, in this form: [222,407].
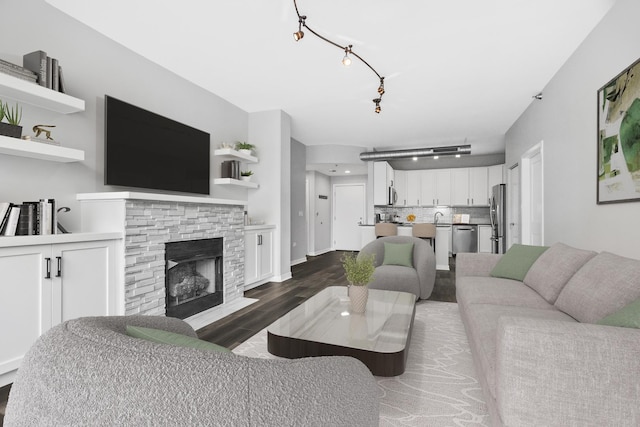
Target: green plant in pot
[246,175]
[359,271]
[13,116]
[244,147]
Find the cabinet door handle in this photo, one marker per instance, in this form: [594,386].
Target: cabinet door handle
[48,261]
[259,239]
[59,269]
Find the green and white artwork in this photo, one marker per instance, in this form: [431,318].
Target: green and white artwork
[619,138]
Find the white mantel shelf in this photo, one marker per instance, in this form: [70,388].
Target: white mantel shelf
[130,195]
[48,239]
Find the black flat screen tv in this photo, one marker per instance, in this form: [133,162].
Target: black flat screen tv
[146,150]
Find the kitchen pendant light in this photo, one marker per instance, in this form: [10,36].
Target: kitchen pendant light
[346,60]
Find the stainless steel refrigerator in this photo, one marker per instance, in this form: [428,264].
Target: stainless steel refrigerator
[498,214]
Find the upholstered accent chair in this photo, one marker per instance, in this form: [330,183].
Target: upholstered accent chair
[417,279]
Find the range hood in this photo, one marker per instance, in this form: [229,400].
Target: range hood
[368,156]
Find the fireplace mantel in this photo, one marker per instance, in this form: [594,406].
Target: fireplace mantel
[132,195]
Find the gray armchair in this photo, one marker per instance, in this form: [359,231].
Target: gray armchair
[418,280]
[89,372]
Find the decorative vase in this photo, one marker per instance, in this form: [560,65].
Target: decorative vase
[246,178]
[245,151]
[358,296]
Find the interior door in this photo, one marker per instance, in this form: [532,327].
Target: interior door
[513,212]
[348,214]
[532,196]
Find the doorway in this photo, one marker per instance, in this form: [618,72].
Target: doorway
[532,193]
[348,213]
[513,210]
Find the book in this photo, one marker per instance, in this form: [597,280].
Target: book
[15,67]
[18,75]
[5,210]
[37,62]
[12,222]
[62,86]
[49,71]
[46,216]
[55,77]
[26,221]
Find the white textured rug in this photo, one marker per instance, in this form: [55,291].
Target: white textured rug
[438,387]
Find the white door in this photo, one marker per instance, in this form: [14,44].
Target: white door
[348,214]
[513,203]
[532,197]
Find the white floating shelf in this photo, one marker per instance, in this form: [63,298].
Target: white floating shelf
[230,153]
[237,182]
[34,94]
[39,150]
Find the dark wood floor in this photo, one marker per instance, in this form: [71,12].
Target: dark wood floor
[276,299]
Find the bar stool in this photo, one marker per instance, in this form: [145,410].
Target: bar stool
[425,231]
[384,229]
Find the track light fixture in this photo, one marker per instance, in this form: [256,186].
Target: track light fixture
[346,61]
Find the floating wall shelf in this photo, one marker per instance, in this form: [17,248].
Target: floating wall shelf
[230,153]
[39,96]
[237,182]
[39,150]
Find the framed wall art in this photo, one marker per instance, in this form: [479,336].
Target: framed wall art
[619,138]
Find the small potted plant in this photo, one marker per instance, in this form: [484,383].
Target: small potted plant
[13,116]
[244,147]
[359,271]
[246,175]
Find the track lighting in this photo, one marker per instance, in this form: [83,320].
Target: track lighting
[346,61]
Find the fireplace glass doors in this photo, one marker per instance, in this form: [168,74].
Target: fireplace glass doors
[193,276]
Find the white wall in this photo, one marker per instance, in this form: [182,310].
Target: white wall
[94,66]
[566,120]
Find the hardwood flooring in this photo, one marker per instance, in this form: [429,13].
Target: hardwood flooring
[276,299]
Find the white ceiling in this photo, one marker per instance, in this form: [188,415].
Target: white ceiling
[455,70]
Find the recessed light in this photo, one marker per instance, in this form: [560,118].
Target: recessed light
[457,156]
[415,159]
[347,171]
[436,157]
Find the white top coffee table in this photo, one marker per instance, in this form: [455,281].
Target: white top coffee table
[324,326]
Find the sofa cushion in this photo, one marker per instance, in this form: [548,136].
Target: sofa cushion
[516,261]
[398,254]
[601,287]
[482,326]
[553,269]
[165,337]
[493,290]
[627,317]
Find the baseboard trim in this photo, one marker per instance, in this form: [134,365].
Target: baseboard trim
[282,277]
[320,252]
[298,261]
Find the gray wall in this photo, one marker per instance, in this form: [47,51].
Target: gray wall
[298,202]
[320,213]
[566,121]
[94,66]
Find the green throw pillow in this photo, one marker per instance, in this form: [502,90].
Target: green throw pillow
[398,254]
[171,338]
[517,261]
[627,317]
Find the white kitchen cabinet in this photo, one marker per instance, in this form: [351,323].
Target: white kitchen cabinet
[258,258]
[443,247]
[435,187]
[400,184]
[414,181]
[383,176]
[469,186]
[496,176]
[47,284]
[484,239]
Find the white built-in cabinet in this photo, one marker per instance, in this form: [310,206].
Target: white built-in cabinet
[469,187]
[496,176]
[25,92]
[383,178]
[48,280]
[435,187]
[400,184]
[484,239]
[414,182]
[258,255]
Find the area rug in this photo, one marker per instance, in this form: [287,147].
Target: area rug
[439,386]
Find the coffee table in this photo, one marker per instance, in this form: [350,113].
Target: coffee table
[324,326]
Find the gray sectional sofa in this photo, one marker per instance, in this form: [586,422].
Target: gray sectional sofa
[89,372]
[541,357]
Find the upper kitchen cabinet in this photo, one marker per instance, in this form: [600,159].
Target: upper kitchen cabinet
[435,187]
[400,184]
[496,176]
[469,187]
[414,184]
[383,176]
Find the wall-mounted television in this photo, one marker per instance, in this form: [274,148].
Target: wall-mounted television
[147,150]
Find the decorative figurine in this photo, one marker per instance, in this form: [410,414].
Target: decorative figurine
[38,129]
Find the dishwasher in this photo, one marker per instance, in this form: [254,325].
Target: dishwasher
[465,238]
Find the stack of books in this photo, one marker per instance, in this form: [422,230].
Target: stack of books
[18,71]
[230,169]
[28,218]
[47,69]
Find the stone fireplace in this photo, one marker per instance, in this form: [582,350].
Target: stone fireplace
[193,276]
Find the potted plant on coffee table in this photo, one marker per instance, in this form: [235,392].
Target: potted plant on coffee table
[359,271]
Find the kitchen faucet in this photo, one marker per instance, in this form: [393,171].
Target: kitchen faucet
[435,217]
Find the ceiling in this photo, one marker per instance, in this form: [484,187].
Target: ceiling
[454,70]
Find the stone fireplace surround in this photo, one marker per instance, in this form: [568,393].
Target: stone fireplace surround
[147,222]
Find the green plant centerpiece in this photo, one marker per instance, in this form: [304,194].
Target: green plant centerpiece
[359,271]
[13,117]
